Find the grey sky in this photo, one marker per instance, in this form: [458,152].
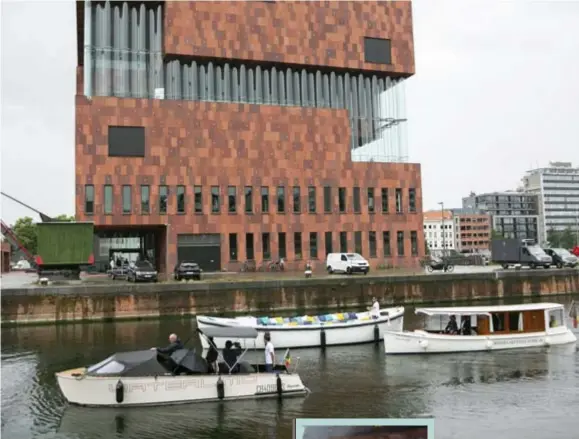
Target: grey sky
[495,93]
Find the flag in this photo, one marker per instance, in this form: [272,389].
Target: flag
[287,359]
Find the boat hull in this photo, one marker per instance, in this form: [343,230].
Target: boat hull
[309,336]
[167,390]
[421,342]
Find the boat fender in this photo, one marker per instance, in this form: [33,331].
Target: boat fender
[489,343]
[220,388]
[376,334]
[279,386]
[323,338]
[547,341]
[120,391]
[423,343]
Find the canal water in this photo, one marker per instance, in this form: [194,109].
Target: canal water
[527,393]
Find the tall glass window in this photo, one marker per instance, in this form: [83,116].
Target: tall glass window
[127,202]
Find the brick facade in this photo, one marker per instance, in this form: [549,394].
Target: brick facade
[327,33]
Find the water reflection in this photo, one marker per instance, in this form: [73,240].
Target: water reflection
[213,420]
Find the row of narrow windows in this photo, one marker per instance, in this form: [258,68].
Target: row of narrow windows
[313,244]
[300,202]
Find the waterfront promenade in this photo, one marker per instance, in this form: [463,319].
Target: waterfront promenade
[268,294]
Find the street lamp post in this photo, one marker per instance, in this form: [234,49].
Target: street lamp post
[442,226]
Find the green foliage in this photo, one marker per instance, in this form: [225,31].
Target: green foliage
[26,232]
[65,218]
[562,238]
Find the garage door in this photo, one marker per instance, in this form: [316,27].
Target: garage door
[205,249]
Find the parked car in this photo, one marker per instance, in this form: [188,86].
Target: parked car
[142,271]
[187,270]
[347,263]
[562,257]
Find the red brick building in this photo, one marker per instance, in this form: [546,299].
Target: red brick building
[234,131]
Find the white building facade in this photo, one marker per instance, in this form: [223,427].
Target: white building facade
[557,188]
[439,230]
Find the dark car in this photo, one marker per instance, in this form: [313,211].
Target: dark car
[142,271]
[562,257]
[187,270]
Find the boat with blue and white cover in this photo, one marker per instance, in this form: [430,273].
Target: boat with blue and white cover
[312,330]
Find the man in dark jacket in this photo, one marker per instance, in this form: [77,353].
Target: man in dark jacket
[230,354]
[174,345]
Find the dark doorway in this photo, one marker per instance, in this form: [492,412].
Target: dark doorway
[204,249]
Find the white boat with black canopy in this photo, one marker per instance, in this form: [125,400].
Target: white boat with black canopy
[311,331]
[141,378]
[483,328]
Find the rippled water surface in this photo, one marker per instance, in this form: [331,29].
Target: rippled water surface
[530,394]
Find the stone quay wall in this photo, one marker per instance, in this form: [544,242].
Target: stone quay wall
[41,305]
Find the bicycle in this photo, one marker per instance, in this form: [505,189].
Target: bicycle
[248,266]
[276,265]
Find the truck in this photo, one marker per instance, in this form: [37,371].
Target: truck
[524,252]
[64,248]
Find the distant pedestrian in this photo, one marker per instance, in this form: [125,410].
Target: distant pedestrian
[269,353]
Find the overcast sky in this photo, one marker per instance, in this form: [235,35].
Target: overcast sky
[496,92]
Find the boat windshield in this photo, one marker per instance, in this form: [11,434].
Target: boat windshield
[354,257]
[562,252]
[107,366]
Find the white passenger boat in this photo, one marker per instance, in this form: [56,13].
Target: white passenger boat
[484,328]
[312,331]
[141,378]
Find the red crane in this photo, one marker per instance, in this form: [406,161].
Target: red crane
[11,236]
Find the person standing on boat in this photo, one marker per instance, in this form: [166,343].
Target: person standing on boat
[375,309]
[231,353]
[174,345]
[269,353]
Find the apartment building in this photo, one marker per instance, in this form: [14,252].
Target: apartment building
[513,214]
[557,189]
[439,230]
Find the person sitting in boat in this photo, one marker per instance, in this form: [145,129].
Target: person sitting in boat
[231,352]
[451,327]
[465,327]
[212,356]
[174,345]
[375,309]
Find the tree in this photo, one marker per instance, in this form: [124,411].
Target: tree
[25,231]
[553,238]
[567,238]
[65,218]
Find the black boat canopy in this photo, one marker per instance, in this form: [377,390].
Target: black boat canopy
[149,363]
[246,332]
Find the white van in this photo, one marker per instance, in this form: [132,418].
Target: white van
[347,263]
